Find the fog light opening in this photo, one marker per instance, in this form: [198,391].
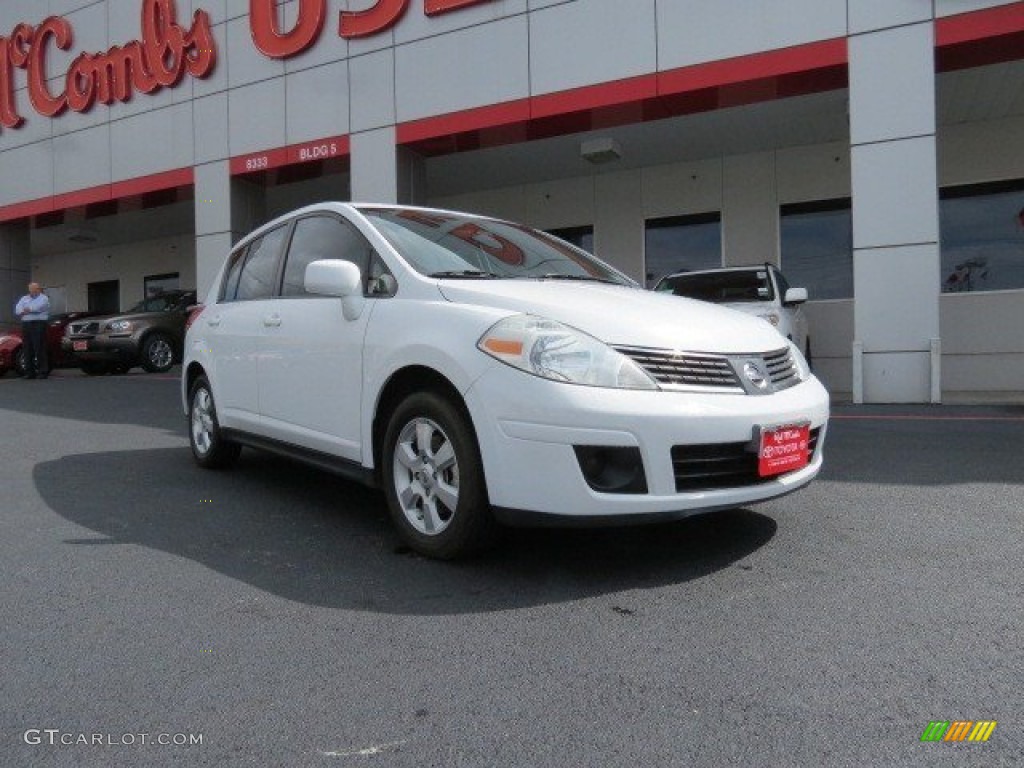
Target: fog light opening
[612,469]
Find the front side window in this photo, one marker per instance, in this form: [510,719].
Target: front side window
[257,276]
[816,241]
[982,233]
[456,246]
[721,287]
[682,244]
[322,237]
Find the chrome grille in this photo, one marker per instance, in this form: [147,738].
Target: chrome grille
[78,329]
[782,369]
[715,373]
[685,369]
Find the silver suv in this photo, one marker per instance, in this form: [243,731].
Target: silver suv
[762,291]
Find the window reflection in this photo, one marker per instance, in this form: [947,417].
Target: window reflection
[681,243]
[982,237]
[816,241]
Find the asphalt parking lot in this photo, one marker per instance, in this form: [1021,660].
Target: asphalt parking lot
[269,610]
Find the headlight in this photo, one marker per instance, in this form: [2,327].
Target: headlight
[551,350]
[803,370]
[771,317]
[120,326]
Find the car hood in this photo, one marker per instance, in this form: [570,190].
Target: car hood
[756,308]
[130,316]
[620,315]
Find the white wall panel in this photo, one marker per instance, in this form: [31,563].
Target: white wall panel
[819,172]
[374,166]
[416,25]
[317,102]
[81,159]
[89,23]
[32,166]
[329,47]
[609,42]
[245,63]
[896,377]
[696,31]
[750,214]
[217,80]
[256,116]
[682,188]
[560,203]
[210,128]
[894,198]
[213,198]
[372,90]
[461,70]
[885,106]
[870,15]
[983,376]
[982,323]
[618,224]
[23,12]
[152,142]
[211,251]
[35,128]
[896,294]
[977,152]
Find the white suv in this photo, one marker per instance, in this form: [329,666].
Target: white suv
[480,371]
[762,291]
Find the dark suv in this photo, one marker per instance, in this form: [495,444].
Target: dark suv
[149,334]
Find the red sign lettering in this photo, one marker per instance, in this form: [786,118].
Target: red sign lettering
[160,60]
[379,17]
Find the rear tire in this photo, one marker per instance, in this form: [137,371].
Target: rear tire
[157,353]
[209,448]
[19,361]
[434,480]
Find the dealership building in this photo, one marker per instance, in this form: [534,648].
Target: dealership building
[873,149]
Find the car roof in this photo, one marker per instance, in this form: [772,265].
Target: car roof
[716,270]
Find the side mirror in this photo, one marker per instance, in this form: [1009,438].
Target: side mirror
[795,296]
[333,277]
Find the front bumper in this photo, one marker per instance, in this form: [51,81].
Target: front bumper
[102,348]
[527,428]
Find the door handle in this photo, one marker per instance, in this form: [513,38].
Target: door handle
[214,321]
[272,321]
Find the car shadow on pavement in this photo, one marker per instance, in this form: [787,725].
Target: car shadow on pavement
[317,539]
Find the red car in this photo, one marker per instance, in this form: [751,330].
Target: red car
[12,357]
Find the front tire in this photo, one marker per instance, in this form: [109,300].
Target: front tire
[157,353]
[209,448]
[433,478]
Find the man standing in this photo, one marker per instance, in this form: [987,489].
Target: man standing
[34,311]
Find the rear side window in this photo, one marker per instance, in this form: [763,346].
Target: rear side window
[258,273]
[322,237]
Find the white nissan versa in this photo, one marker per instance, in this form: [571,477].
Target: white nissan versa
[481,372]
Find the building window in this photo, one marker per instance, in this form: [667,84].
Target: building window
[680,244]
[581,237]
[156,284]
[982,237]
[816,241]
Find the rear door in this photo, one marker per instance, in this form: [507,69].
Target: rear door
[234,328]
[311,370]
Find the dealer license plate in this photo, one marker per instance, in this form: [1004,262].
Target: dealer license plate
[783,449]
[80,346]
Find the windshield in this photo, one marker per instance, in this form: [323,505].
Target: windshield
[162,303]
[456,246]
[720,287]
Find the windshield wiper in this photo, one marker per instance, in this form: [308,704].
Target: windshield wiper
[560,276]
[460,273]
